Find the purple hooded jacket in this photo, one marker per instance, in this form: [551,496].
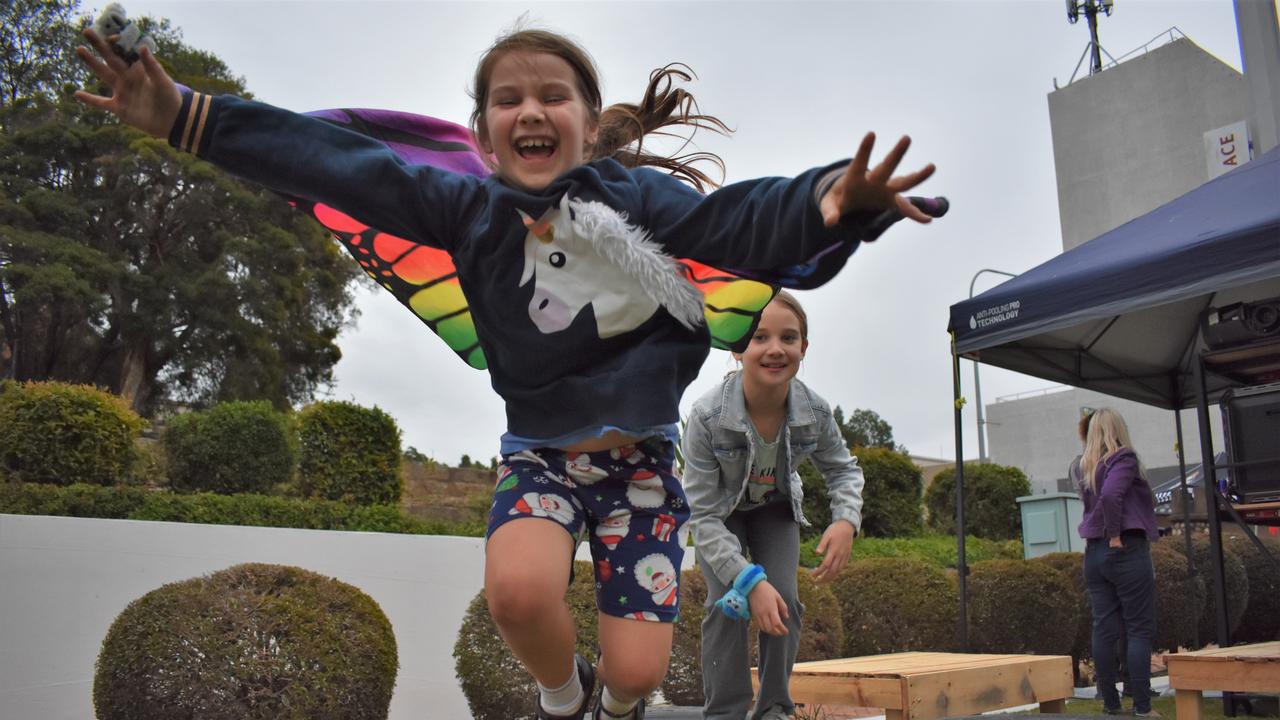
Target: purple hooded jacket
[1124,502]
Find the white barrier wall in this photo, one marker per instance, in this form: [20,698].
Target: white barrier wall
[64,580]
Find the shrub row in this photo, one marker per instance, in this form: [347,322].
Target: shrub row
[936,550]
[65,434]
[901,603]
[132,503]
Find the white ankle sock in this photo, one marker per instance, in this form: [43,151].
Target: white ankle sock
[614,707]
[565,699]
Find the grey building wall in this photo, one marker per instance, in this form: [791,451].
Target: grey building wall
[1131,138]
[1038,433]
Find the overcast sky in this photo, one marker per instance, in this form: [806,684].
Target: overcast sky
[800,83]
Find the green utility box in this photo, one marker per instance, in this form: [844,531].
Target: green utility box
[1049,524]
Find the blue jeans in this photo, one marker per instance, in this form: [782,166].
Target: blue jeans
[1121,583]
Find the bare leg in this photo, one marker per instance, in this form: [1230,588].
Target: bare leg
[526,574]
[633,656]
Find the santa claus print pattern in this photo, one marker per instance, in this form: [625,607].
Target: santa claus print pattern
[626,502]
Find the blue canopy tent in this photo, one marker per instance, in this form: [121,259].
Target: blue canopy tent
[1121,313]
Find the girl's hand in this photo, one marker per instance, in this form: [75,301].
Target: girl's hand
[768,608]
[142,94]
[875,189]
[835,545]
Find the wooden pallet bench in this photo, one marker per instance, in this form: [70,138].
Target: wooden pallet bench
[930,685]
[1243,668]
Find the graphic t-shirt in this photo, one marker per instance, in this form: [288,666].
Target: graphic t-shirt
[762,485]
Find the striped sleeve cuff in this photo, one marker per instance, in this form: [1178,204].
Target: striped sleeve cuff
[824,182]
[194,126]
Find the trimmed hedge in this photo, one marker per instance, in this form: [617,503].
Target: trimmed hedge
[232,447]
[62,434]
[250,642]
[348,452]
[990,503]
[1178,605]
[1016,606]
[821,638]
[1237,588]
[1261,619]
[891,495]
[1071,565]
[936,550]
[493,680]
[131,503]
[896,604]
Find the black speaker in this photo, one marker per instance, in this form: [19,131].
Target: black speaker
[1251,426]
[1241,323]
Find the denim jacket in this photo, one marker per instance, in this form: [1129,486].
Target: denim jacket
[718,455]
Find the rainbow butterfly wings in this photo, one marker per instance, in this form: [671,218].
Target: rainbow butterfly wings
[424,278]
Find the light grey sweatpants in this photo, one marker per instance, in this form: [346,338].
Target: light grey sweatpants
[771,538]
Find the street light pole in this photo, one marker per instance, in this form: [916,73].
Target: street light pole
[977,385]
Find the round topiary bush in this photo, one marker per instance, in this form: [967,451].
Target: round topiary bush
[683,683]
[990,502]
[1237,588]
[1016,606]
[896,604]
[62,434]
[230,448]
[1180,598]
[892,495]
[1261,619]
[252,642]
[349,453]
[1071,565]
[493,680]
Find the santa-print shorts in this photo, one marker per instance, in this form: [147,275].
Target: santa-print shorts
[627,502]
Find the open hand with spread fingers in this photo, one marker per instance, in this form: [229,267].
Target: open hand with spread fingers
[860,188]
[142,94]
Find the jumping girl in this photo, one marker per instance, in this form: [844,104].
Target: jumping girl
[569,222]
[744,441]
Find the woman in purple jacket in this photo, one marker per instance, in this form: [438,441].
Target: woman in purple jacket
[1118,526]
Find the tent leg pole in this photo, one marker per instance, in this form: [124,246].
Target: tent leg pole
[962,567]
[1186,508]
[1209,471]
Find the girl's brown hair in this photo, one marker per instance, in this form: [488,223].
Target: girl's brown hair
[622,127]
[790,302]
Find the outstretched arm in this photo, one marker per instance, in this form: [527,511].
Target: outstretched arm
[860,189]
[142,94]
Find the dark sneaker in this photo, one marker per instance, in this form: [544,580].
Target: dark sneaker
[1114,711]
[587,675]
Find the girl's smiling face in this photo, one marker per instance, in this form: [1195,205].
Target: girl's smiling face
[535,121]
[776,348]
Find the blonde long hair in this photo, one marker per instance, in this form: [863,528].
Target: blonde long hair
[1107,434]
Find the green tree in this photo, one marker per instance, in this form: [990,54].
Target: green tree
[990,501]
[37,58]
[865,428]
[891,495]
[127,265]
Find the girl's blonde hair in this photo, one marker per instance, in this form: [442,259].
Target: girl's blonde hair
[1107,433]
[622,127]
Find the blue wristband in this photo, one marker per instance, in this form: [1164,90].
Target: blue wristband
[734,603]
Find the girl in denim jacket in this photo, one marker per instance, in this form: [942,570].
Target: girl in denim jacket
[743,442]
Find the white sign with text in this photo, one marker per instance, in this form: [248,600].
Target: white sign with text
[1226,148]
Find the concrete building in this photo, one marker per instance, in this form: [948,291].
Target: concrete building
[1037,433]
[1132,138]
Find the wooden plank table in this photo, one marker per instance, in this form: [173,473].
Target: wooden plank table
[930,685]
[1243,668]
